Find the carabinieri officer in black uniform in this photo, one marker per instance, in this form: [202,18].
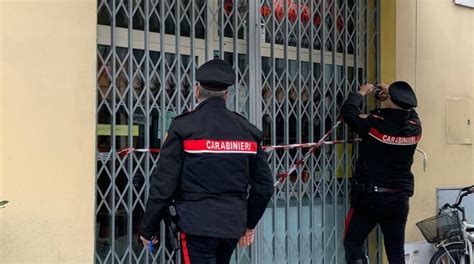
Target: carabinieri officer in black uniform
[383,181]
[213,168]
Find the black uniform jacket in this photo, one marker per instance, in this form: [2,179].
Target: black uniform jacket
[389,140]
[213,166]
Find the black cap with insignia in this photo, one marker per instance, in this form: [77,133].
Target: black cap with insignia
[215,75]
[402,95]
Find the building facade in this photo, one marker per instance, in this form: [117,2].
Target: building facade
[83,80]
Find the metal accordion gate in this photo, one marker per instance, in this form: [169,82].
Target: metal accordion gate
[295,62]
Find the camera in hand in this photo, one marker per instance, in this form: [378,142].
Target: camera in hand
[378,91]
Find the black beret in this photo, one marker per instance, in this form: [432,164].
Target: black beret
[215,75]
[402,95]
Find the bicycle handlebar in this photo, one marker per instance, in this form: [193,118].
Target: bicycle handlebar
[463,193]
[456,205]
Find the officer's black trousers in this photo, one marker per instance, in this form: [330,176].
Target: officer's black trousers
[390,211]
[206,250]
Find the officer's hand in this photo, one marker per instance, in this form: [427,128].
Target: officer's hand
[366,89]
[384,95]
[248,238]
[146,242]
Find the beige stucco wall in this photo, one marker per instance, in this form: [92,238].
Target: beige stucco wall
[435,53]
[47,130]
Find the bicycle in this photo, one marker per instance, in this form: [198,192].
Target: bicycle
[452,237]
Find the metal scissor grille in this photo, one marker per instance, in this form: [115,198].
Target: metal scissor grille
[295,62]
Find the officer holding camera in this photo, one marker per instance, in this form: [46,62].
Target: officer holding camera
[383,181]
[213,168]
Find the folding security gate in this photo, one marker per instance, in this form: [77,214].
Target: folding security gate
[295,62]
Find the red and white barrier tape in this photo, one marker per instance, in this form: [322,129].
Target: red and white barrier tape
[126,151]
[307,145]
[282,176]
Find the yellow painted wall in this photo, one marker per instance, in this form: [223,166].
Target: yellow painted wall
[435,53]
[47,130]
[387,40]
[388,43]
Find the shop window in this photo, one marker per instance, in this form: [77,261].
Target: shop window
[138,15]
[293,23]
[140,91]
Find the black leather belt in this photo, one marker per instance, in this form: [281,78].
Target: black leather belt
[384,190]
[370,188]
[196,196]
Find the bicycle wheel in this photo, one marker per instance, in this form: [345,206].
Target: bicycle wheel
[452,254]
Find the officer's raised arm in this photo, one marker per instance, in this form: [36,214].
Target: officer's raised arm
[261,187]
[413,116]
[163,183]
[351,110]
